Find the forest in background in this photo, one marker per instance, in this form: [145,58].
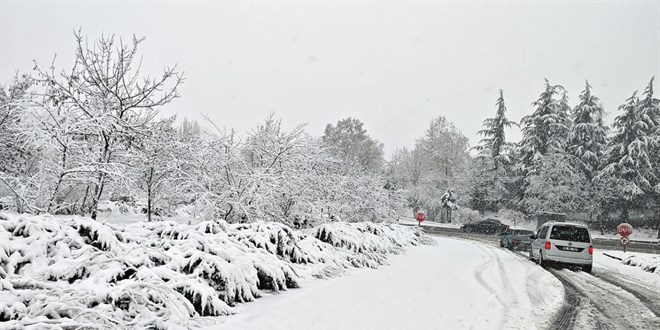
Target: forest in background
[90,138]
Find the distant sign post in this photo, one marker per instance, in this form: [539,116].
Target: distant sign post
[420,216]
[624,229]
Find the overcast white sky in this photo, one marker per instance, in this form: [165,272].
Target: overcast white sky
[393,65]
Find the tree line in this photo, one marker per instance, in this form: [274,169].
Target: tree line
[569,160]
[72,141]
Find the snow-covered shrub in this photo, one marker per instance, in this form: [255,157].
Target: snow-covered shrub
[58,272]
[275,238]
[648,262]
[513,215]
[368,242]
[465,215]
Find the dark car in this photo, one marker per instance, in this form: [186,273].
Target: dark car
[488,226]
[516,239]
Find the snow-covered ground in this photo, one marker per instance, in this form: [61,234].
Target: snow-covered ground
[454,284]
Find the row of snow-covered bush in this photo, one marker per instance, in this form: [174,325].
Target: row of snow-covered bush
[75,272]
[647,262]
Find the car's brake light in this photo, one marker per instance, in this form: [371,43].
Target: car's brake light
[547,245]
[591,249]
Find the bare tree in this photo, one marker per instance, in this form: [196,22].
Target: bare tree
[112,101]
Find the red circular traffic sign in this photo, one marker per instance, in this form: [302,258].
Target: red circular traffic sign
[624,240]
[624,229]
[420,216]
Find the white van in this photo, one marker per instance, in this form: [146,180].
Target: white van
[563,242]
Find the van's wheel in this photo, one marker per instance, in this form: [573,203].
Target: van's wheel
[531,255]
[468,230]
[586,268]
[542,262]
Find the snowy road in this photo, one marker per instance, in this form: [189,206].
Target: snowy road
[598,304]
[615,296]
[456,284]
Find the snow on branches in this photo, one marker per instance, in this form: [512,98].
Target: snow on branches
[71,272]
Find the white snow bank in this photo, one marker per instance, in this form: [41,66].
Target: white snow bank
[646,261]
[75,272]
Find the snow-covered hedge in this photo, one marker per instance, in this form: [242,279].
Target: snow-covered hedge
[77,273]
[648,262]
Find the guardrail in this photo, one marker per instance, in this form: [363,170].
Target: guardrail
[599,243]
[633,246]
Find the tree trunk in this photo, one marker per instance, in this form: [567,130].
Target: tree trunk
[82,205]
[19,204]
[59,181]
[657,220]
[149,196]
[100,183]
[56,190]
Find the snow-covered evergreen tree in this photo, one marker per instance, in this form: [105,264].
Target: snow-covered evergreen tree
[494,144]
[488,186]
[490,172]
[554,186]
[546,129]
[545,134]
[627,156]
[649,112]
[588,137]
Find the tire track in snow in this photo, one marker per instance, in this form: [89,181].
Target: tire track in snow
[652,303]
[479,276]
[518,301]
[565,317]
[504,277]
[603,306]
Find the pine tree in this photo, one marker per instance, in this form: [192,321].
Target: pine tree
[546,129]
[494,144]
[489,172]
[588,137]
[649,111]
[545,133]
[627,156]
[554,186]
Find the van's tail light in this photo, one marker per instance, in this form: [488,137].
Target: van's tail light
[591,249]
[547,245]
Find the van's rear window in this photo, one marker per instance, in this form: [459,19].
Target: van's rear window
[570,233]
